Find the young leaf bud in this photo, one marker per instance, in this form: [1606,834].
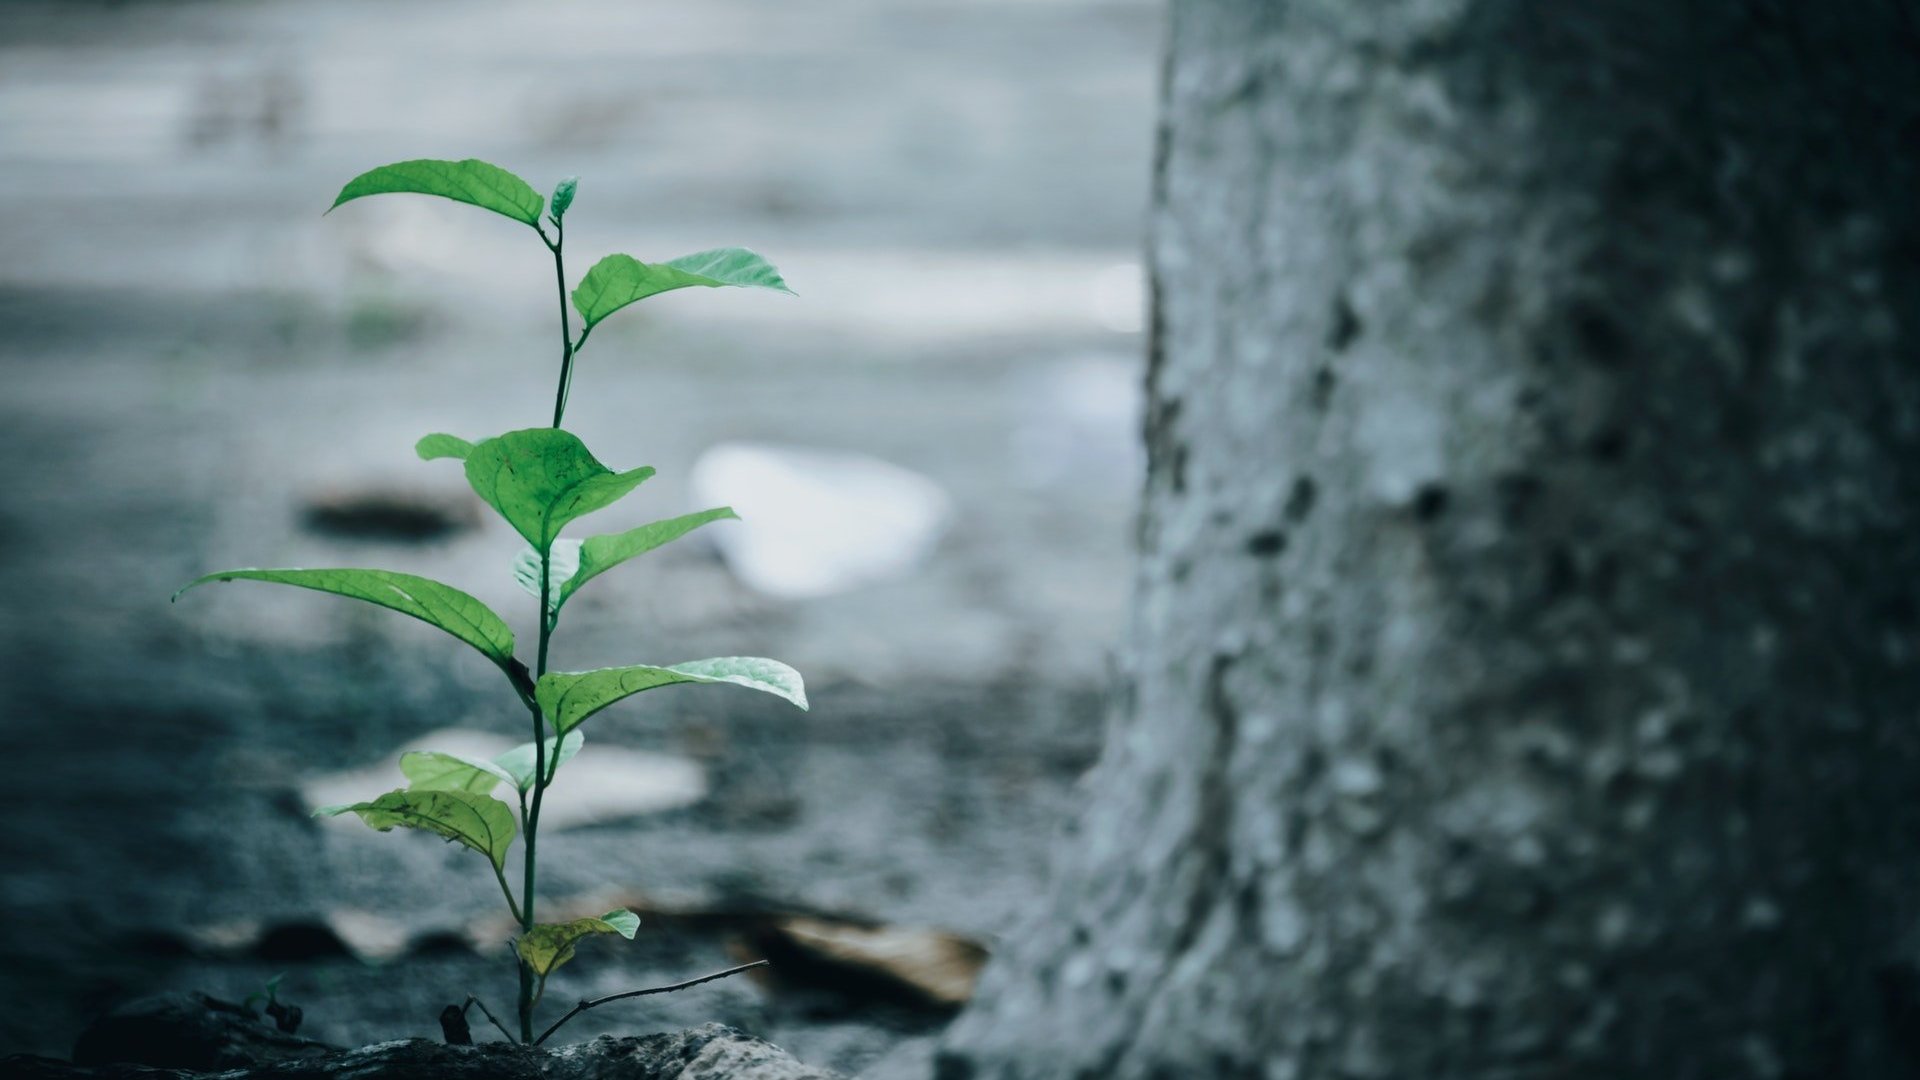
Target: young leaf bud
[563,197]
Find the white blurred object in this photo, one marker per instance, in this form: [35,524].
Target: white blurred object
[816,522]
[1119,298]
[600,784]
[611,783]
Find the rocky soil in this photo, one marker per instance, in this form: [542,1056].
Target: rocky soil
[191,1036]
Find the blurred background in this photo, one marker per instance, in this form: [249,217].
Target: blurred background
[933,446]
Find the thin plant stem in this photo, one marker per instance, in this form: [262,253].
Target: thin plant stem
[566,375]
[530,812]
[531,825]
[529,995]
[585,1004]
[525,1001]
[501,877]
[567,346]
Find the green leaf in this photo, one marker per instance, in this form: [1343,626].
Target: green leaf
[481,823]
[439,770]
[619,280]
[519,761]
[549,945]
[423,598]
[489,187]
[570,697]
[562,198]
[562,562]
[443,446]
[542,478]
[599,554]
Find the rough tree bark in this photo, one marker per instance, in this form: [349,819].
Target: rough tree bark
[1523,674]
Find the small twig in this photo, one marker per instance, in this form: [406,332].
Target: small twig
[471,1000]
[584,1004]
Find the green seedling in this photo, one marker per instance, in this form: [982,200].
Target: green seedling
[286,1017]
[540,480]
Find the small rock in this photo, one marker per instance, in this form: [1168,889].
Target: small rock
[454,1028]
[187,1031]
[815,522]
[230,938]
[374,938]
[390,515]
[612,783]
[599,785]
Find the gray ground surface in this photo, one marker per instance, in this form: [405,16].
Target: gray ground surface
[191,354]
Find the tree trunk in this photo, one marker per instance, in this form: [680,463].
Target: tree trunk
[1524,671]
